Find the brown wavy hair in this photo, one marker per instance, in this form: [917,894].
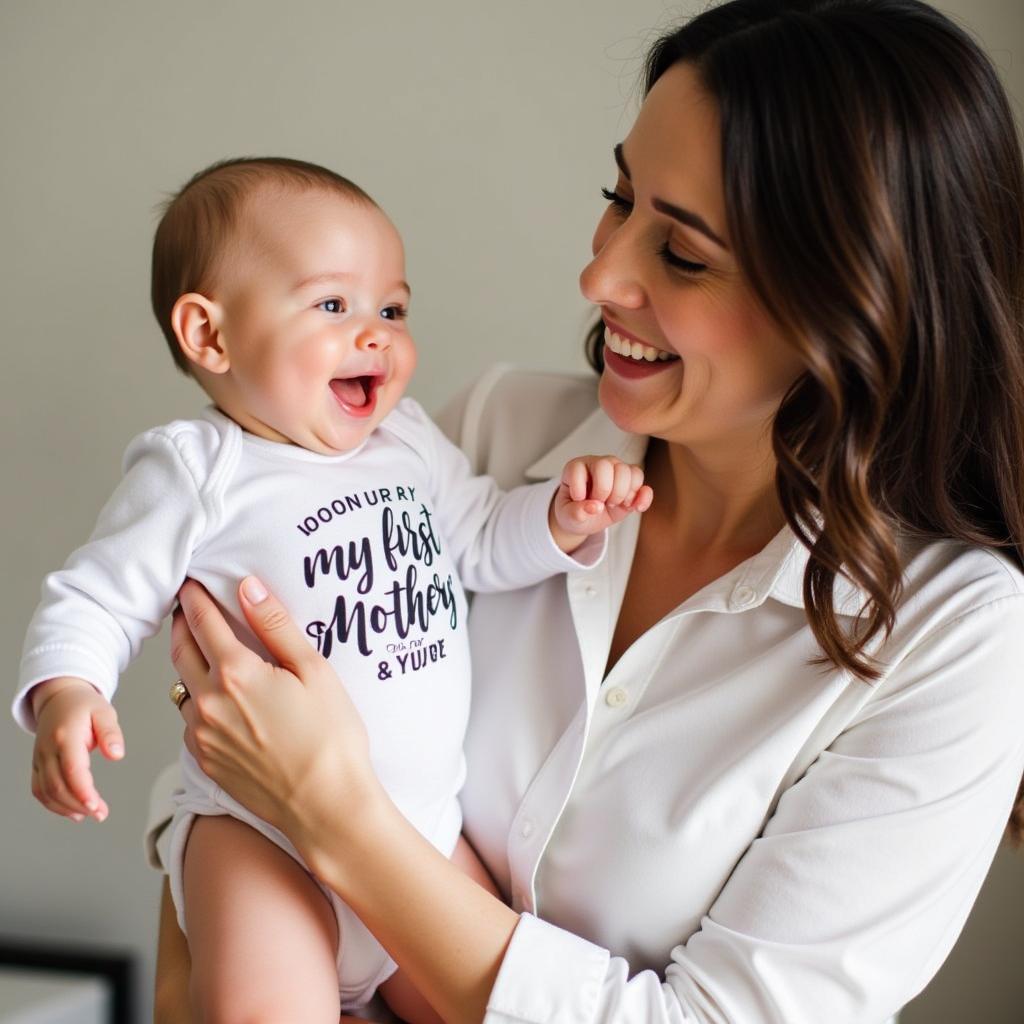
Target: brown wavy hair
[875,194]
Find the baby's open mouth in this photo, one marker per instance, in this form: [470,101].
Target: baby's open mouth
[355,392]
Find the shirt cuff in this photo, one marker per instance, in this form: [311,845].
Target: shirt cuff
[548,976]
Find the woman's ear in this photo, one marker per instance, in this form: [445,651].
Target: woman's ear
[196,322]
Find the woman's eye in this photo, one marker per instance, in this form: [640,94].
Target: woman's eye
[394,312]
[332,306]
[678,263]
[619,202]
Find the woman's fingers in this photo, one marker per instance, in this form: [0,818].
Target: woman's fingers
[213,639]
[274,627]
[285,739]
[193,671]
[186,657]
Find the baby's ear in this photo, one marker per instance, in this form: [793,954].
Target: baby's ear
[196,321]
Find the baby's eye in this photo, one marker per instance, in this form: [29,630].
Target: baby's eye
[332,305]
[394,312]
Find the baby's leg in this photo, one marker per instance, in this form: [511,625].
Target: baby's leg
[262,936]
[398,991]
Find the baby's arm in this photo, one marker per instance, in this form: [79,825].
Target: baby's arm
[112,593]
[72,719]
[501,540]
[596,492]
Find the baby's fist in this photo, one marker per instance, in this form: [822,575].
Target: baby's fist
[596,492]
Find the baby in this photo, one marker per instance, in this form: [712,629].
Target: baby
[280,286]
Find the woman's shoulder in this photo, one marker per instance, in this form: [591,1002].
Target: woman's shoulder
[950,587]
[961,576]
[950,685]
[510,416]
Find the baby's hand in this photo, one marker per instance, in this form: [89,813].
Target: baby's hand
[72,719]
[597,491]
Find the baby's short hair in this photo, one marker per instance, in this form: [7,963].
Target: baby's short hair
[200,219]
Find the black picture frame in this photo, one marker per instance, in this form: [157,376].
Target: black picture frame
[117,969]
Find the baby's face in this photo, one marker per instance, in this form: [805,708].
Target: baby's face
[314,304]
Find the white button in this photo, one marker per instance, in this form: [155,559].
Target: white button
[526,829]
[616,697]
[744,596]
[590,590]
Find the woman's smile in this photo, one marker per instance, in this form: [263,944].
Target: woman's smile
[628,345]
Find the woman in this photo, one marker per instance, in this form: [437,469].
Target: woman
[765,757]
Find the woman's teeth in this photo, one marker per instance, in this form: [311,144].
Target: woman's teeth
[635,349]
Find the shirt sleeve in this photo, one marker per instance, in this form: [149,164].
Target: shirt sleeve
[849,901]
[499,540]
[115,591]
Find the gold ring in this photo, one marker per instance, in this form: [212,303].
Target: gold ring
[179,693]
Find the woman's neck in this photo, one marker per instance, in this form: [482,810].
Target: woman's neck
[714,505]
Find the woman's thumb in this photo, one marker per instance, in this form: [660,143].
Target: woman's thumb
[272,624]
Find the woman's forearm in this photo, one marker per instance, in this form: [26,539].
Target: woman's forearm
[446,932]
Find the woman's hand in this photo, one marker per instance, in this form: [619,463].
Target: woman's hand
[287,742]
[284,740]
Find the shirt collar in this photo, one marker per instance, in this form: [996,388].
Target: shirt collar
[776,571]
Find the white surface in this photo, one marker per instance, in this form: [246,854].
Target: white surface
[47,997]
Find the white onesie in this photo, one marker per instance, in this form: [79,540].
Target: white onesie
[366,549]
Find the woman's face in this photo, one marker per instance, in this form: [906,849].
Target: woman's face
[698,361]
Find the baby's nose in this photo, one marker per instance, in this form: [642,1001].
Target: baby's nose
[372,338]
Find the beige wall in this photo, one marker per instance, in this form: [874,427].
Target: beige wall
[484,128]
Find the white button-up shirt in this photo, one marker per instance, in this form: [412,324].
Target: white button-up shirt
[720,830]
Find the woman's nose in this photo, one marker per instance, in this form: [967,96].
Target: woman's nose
[612,277]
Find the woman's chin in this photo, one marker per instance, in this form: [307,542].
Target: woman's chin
[628,406]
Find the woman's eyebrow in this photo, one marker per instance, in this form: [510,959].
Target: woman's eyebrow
[620,159]
[684,216]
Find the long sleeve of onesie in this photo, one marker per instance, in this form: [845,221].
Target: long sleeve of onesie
[500,540]
[117,588]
